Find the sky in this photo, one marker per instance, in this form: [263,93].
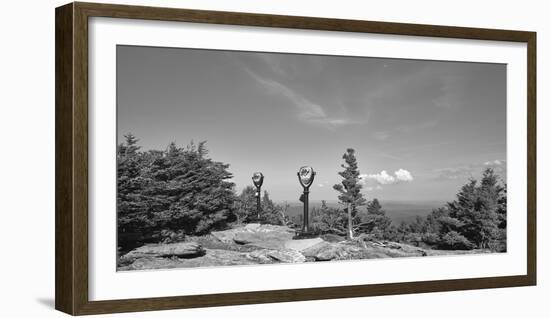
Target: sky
[420,129]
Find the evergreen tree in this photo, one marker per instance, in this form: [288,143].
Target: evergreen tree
[329,220]
[418,225]
[487,219]
[391,234]
[267,203]
[374,208]
[402,231]
[129,148]
[245,205]
[350,189]
[375,222]
[195,188]
[132,204]
[476,219]
[246,208]
[501,213]
[173,190]
[272,213]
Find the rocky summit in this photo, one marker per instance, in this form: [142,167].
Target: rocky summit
[262,244]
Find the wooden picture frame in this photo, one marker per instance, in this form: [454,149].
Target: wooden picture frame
[71,122]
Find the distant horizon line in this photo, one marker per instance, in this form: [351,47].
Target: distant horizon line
[381,200]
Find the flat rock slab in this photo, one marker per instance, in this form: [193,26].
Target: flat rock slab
[300,245]
[216,257]
[283,256]
[225,236]
[325,251]
[261,235]
[393,249]
[210,258]
[182,249]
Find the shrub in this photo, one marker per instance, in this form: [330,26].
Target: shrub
[430,238]
[455,241]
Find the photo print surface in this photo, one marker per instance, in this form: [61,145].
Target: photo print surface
[248,158]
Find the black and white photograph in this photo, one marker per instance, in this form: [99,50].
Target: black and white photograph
[249,158]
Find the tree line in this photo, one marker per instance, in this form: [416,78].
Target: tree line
[476,219]
[165,195]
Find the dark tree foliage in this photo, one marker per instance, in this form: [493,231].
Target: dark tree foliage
[374,208]
[132,205]
[246,208]
[455,241]
[476,210]
[350,188]
[500,243]
[178,189]
[245,205]
[476,219]
[375,222]
[328,220]
[272,213]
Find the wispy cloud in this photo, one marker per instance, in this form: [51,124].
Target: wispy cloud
[468,171]
[425,146]
[381,135]
[273,63]
[408,128]
[424,97]
[405,129]
[373,188]
[323,184]
[448,99]
[306,110]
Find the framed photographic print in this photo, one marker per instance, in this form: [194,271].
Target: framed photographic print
[211,158]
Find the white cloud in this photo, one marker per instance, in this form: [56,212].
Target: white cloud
[403,175]
[384,178]
[495,163]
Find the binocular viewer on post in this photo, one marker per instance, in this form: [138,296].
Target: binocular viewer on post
[306,175]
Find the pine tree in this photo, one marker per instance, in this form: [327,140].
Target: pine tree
[195,187]
[179,189]
[402,231]
[476,219]
[129,148]
[272,213]
[245,208]
[502,217]
[133,204]
[350,188]
[329,220]
[375,222]
[245,205]
[488,218]
[374,208]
